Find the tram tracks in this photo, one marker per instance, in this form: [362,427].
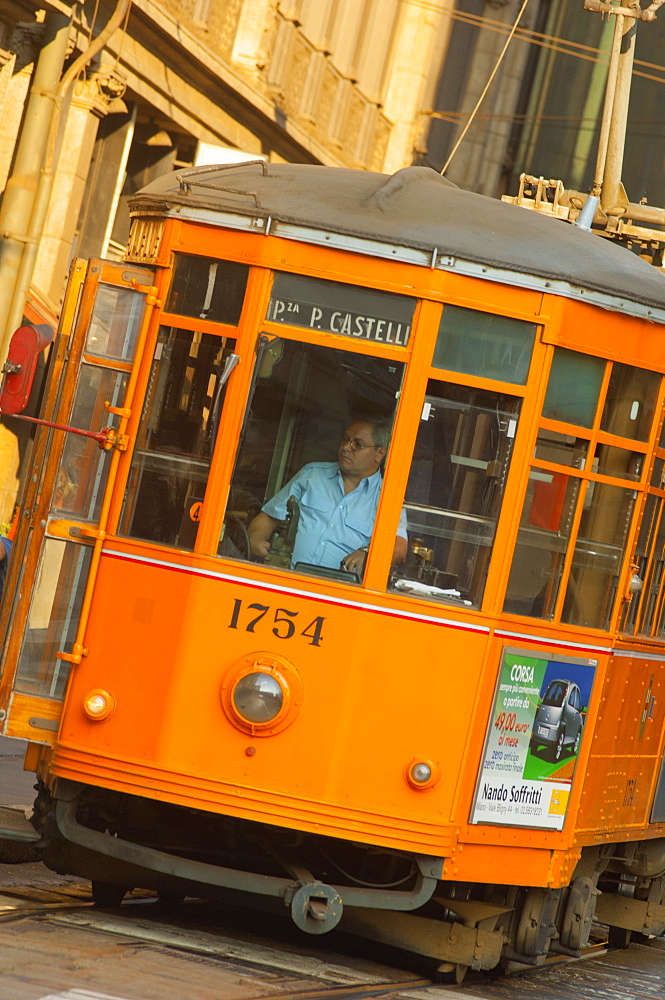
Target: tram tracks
[144,927]
[279,970]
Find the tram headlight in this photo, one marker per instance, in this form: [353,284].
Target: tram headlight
[261,693]
[99,705]
[258,697]
[422,773]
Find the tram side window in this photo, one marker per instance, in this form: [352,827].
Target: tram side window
[174,447]
[208,289]
[640,612]
[573,387]
[542,543]
[575,527]
[111,338]
[598,554]
[83,467]
[59,587]
[628,411]
[630,404]
[304,400]
[477,343]
[453,497]
[115,323]
[644,611]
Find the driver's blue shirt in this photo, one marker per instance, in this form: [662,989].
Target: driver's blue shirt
[332,524]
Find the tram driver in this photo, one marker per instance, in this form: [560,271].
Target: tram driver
[337,503]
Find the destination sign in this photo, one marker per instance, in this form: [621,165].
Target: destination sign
[346,310]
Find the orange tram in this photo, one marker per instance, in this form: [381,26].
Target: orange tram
[458,751]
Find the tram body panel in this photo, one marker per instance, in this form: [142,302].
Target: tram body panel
[364,710]
[351,705]
[629,339]
[626,750]
[489,863]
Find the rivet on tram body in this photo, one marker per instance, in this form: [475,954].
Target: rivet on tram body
[250,751]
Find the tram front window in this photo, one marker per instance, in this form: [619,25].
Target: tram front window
[177,432]
[453,496]
[291,502]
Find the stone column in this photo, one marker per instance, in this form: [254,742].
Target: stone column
[16,67]
[417,50]
[92,99]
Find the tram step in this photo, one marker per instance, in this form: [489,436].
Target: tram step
[14,826]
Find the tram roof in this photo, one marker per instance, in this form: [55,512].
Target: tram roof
[417,216]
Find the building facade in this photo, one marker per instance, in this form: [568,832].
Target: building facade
[179,83]
[338,82]
[542,112]
[87,120]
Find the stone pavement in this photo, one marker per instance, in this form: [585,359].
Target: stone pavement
[17,790]
[16,785]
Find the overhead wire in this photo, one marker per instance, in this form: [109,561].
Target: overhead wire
[564,46]
[550,42]
[497,64]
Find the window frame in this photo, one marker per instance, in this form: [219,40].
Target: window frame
[594,436]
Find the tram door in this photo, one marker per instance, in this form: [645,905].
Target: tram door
[103,326]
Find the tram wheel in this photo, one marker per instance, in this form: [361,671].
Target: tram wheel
[451,972]
[107,894]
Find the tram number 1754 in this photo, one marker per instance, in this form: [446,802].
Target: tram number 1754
[247,616]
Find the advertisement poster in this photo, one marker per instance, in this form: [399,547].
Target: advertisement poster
[533,740]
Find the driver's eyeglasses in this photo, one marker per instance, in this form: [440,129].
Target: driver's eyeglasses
[356,444]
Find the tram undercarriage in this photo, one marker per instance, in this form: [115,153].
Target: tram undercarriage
[121,842]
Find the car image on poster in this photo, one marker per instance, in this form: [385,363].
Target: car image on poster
[533,739]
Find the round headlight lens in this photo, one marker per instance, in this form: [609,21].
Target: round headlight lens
[258,697]
[421,773]
[98,704]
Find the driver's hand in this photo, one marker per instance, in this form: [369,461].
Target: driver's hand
[260,547]
[354,562]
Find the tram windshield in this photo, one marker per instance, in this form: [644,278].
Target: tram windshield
[311,409]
